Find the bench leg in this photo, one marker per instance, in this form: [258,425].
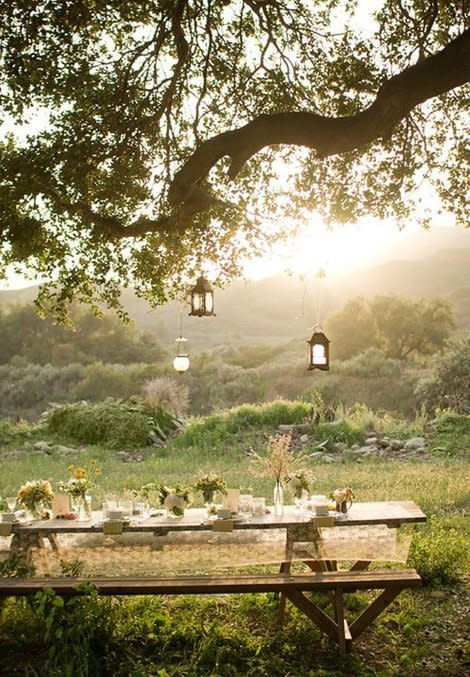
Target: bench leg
[373,610]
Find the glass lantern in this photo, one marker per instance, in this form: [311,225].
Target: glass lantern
[318,351]
[181,361]
[202,298]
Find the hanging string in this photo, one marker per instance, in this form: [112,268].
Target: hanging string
[320,296]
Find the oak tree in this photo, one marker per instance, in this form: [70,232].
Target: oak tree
[141,139]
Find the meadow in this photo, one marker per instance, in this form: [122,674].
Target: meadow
[424,632]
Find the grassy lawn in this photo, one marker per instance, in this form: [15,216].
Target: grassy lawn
[424,632]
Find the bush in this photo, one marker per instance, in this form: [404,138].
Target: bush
[115,424]
[247,416]
[339,431]
[449,384]
[451,434]
[438,552]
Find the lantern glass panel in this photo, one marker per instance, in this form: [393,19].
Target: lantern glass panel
[196,301]
[318,354]
[209,299]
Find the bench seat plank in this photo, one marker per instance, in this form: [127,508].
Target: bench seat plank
[168,585]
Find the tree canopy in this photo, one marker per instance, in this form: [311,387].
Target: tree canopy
[150,138]
[399,326]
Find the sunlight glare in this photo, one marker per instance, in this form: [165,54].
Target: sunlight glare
[334,250]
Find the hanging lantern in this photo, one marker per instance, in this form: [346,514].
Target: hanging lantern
[181,361]
[318,351]
[202,298]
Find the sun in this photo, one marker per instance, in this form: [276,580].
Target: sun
[334,250]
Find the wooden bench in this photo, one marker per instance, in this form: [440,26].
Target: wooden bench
[336,583]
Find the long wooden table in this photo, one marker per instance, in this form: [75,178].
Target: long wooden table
[298,526]
[27,536]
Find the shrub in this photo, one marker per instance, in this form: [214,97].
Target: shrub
[339,431]
[247,416]
[163,392]
[449,384]
[113,423]
[438,552]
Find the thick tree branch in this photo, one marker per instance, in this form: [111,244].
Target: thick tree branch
[428,78]
[111,226]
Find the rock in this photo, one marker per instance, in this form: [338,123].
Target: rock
[363,450]
[355,447]
[371,433]
[358,451]
[415,443]
[65,451]
[316,455]
[286,427]
[340,447]
[422,450]
[397,444]
[42,446]
[383,442]
[372,441]
[304,439]
[328,459]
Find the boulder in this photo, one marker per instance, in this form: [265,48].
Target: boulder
[415,443]
[397,444]
[372,441]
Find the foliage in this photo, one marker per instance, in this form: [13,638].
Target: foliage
[113,423]
[397,325]
[97,193]
[248,357]
[88,338]
[450,434]
[339,431]
[438,552]
[14,565]
[448,386]
[370,364]
[221,426]
[165,393]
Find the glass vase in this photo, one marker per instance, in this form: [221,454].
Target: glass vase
[82,506]
[278,499]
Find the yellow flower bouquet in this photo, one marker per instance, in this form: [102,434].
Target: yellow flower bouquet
[36,497]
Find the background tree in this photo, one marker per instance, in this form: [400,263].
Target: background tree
[23,334]
[130,109]
[352,329]
[406,326]
[399,326]
[449,384]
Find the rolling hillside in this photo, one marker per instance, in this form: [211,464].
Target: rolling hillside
[282,308]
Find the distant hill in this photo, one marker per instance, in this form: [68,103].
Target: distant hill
[283,308]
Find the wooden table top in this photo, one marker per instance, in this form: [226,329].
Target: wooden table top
[390,513]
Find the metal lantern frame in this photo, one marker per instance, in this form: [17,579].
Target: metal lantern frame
[202,298]
[318,351]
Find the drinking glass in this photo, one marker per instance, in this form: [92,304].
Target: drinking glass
[245,504]
[258,506]
[11,502]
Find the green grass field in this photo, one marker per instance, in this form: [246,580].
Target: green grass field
[422,633]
